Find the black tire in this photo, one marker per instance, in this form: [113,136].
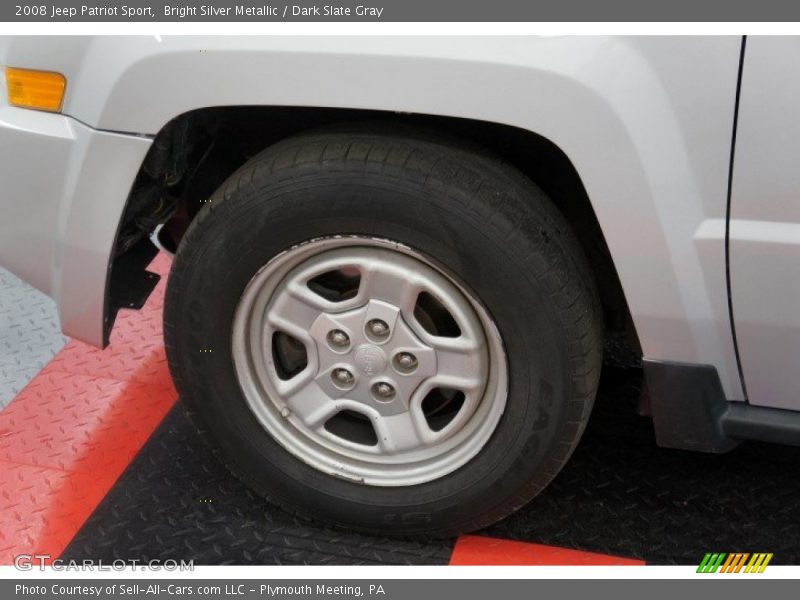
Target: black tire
[476,217]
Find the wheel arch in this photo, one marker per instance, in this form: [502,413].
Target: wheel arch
[195,152]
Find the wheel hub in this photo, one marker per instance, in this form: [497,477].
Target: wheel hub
[370,360]
[376,383]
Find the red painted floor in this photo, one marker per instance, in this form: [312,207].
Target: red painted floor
[478,550]
[69,434]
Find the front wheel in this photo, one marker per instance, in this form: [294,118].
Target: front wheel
[385,332]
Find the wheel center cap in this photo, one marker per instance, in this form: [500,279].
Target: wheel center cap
[370,359]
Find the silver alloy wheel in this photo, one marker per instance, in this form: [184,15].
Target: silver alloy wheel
[335,332]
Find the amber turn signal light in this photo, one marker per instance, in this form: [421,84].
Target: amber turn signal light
[39,90]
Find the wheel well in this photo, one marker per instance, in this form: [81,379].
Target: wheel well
[195,152]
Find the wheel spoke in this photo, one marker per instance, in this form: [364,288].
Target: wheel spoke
[398,288]
[310,404]
[398,433]
[459,364]
[294,312]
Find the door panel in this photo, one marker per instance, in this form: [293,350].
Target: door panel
[765,223]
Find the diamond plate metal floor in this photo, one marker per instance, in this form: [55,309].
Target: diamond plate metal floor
[30,334]
[619,495]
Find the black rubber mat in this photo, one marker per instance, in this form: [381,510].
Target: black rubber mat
[619,494]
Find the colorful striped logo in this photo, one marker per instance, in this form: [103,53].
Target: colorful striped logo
[734,563]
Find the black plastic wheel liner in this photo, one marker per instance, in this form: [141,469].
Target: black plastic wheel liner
[619,494]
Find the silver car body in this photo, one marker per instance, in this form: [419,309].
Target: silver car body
[647,123]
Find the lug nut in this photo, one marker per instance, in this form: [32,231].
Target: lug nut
[338,339]
[383,391]
[342,378]
[377,328]
[405,362]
